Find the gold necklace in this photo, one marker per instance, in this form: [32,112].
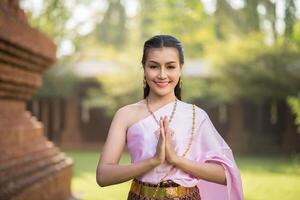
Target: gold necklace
[183,155]
[157,132]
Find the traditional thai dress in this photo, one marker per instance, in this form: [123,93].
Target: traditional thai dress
[207,146]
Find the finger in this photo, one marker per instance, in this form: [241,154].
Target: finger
[166,123]
[161,123]
[162,131]
[166,127]
[168,134]
[162,119]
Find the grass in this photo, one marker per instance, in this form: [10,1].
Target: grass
[263,178]
[270,177]
[84,183]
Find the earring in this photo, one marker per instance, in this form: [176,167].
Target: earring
[180,83]
[144,83]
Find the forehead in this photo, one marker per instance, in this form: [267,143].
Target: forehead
[164,54]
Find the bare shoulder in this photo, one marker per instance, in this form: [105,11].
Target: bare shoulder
[132,112]
[130,108]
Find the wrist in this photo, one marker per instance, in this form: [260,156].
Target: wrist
[175,160]
[154,161]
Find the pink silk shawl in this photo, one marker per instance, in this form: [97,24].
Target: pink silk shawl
[207,146]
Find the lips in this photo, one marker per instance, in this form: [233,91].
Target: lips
[161,83]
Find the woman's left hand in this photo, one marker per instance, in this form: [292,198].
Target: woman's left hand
[171,155]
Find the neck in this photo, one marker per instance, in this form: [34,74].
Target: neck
[157,100]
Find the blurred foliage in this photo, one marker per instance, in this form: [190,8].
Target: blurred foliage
[250,57]
[115,91]
[294,103]
[183,19]
[249,69]
[112,29]
[59,81]
[52,19]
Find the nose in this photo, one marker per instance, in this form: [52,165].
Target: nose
[162,74]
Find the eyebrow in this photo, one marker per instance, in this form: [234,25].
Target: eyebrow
[159,63]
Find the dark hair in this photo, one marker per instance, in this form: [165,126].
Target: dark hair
[160,41]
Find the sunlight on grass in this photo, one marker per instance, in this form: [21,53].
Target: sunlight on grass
[270,177]
[264,178]
[270,186]
[84,183]
[86,187]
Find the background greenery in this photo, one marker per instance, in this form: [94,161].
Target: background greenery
[251,46]
[264,178]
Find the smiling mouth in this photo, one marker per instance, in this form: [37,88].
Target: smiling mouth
[162,84]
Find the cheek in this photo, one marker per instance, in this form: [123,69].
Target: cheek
[174,75]
[150,73]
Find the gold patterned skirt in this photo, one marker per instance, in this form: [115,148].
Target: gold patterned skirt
[166,190]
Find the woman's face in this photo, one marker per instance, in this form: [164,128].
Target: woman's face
[162,70]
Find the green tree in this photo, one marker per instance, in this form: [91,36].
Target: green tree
[112,29]
[290,18]
[185,20]
[294,103]
[52,19]
[59,80]
[248,69]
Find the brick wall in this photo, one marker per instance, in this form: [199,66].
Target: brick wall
[31,167]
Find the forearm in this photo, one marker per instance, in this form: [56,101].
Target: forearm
[208,171]
[110,174]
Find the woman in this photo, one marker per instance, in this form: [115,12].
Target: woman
[176,151]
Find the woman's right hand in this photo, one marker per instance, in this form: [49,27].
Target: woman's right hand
[160,155]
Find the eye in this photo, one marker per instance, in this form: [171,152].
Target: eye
[171,67]
[152,66]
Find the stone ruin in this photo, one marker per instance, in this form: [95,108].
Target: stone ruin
[31,167]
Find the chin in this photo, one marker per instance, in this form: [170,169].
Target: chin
[161,92]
